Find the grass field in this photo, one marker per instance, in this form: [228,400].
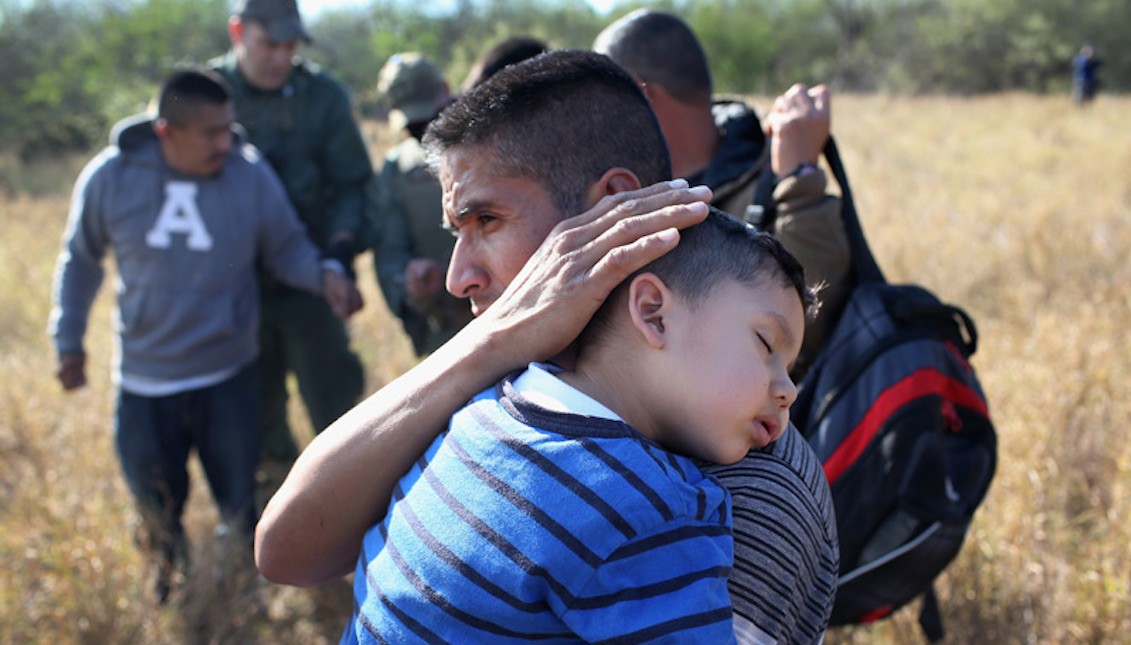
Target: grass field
[1016,207]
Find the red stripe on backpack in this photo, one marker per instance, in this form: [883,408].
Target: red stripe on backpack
[923,382]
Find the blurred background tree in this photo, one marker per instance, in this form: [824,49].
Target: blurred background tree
[73,67]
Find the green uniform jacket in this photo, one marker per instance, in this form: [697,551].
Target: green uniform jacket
[307,131]
[808,220]
[405,214]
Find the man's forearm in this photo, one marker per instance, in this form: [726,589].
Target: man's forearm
[311,530]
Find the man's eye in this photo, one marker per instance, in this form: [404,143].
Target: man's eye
[485,218]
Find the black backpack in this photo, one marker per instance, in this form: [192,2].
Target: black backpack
[894,411]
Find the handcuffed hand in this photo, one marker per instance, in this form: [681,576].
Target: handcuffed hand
[423,277]
[341,294]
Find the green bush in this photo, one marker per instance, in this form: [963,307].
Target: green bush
[73,67]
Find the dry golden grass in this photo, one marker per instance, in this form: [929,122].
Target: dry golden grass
[1015,207]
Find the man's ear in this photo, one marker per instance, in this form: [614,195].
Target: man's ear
[646,88]
[649,300]
[161,128]
[235,29]
[615,180]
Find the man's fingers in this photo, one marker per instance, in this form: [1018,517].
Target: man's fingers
[632,243]
[795,100]
[73,383]
[621,219]
[821,98]
[340,295]
[71,378]
[647,213]
[72,370]
[789,98]
[633,201]
[630,229]
[799,100]
[338,306]
[594,258]
[351,301]
[622,261]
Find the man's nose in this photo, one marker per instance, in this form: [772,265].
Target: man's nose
[224,144]
[281,56]
[465,275]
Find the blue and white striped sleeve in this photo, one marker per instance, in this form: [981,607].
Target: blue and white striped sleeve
[665,586]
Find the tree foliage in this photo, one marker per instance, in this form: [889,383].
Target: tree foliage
[74,66]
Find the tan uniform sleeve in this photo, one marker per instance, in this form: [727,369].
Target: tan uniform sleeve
[809,225]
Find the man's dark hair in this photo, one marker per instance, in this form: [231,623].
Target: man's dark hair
[561,119]
[186,89]
[719,248]
[510,51]
[658,47]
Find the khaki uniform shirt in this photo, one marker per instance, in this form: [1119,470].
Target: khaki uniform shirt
[808,220]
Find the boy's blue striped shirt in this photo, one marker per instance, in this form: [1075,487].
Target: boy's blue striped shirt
[525,524]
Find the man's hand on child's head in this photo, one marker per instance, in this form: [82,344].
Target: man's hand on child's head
[583,258]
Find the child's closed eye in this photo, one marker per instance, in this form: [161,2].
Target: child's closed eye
[765,343]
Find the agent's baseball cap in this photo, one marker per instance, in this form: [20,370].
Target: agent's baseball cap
[412,85]
[280,18]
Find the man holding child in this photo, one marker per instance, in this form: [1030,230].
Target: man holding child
[531,310]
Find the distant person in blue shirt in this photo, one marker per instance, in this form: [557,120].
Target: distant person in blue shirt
[1084,81]
[564,505]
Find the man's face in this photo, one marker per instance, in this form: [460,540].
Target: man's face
[264,63]
[201,145]
[498,222]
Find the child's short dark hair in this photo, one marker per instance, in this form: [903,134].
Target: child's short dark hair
[187,88]
[719,248]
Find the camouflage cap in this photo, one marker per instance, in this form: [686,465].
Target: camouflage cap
[412,85]
[280,18]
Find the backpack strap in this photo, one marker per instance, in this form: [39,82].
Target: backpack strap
[929,618]
[863,262]
[762,213]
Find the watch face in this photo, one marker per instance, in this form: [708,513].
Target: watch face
[804,168]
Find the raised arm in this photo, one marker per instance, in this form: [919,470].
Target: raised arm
[799,124]
[312,528]
[809,221]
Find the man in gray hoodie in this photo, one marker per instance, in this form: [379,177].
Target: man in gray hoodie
[188,210]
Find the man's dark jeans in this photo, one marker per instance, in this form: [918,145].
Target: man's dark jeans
[154,436]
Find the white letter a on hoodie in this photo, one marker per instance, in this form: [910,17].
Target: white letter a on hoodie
[179,214]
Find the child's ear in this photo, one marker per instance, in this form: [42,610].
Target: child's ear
[615,180]
[649,300]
